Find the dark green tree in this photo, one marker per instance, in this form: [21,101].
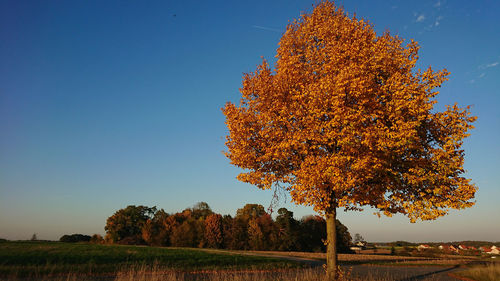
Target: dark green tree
[201,210]
[313,234]
[239,234]
[125,225]
[288,231]
[74,238]
[344,239]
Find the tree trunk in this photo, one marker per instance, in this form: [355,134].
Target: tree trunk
[331,246]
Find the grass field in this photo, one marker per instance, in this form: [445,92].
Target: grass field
[55,261]
[55,258]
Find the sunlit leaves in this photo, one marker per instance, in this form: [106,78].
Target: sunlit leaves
[346,120]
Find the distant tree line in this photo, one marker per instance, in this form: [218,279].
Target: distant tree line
[251,229]
[73,238]
[77,238]
[402,244]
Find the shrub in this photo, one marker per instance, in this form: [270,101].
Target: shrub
[96,239]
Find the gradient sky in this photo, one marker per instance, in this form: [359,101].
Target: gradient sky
[105,104]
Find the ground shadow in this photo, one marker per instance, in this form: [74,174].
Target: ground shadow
[429,274]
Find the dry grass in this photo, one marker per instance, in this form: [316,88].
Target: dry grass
[295,275]
[433,262]
[153,273]
[316,274]
[489,272]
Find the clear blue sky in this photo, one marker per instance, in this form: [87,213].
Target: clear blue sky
[105,104]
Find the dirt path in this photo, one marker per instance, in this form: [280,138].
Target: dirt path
[403,273]
[376,272]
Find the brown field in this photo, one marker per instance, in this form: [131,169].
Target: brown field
[341,257]
[375,251]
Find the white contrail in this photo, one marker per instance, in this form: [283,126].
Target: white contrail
[266,28]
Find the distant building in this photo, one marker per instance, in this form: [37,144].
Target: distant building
[454,248]
[446,248]
[423,247]
[361,244]
[356,249]
[493,251]
[484,249]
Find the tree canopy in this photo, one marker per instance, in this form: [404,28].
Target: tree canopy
[127,224]
[346,119]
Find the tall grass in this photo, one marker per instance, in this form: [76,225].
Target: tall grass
[295,275]
[489,272]
[155,273]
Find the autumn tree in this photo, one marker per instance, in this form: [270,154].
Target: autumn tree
[188,234]
[240,225]
[214,236]
[227,230]
[168,226]
[153,230]
[238,234]
[262,233]
[347,120]
[250,211]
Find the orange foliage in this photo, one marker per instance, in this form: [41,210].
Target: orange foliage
[214,231]
[347,120]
